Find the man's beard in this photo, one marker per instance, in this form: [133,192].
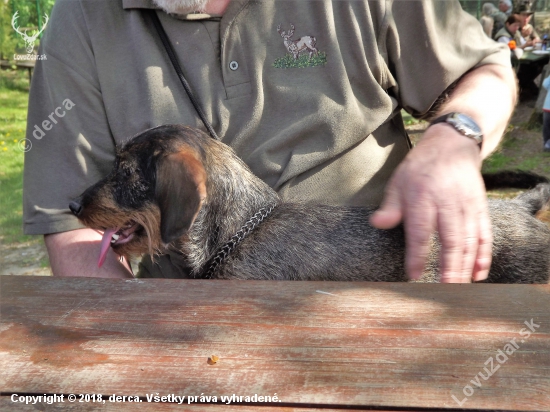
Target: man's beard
[181,6]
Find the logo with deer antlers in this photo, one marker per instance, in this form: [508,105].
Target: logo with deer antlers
[29,40]
[298,49]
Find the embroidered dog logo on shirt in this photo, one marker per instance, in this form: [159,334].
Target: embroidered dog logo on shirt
[301,52]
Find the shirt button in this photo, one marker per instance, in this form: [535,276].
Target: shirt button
[233,65]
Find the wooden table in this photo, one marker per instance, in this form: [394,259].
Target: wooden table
[530,66]
[317,345]
[531,57]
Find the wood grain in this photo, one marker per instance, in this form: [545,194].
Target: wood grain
[314,344]
[7,405]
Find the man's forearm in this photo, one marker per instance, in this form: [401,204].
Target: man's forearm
[488,94]
[76,253]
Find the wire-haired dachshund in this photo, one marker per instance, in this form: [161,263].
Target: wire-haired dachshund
[175,188]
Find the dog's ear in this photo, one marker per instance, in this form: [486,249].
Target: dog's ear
[180,191]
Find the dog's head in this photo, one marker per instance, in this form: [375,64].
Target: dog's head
[153,194]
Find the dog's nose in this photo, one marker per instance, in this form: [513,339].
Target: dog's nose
[76,208]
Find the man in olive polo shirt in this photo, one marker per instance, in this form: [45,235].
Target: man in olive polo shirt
[325,128]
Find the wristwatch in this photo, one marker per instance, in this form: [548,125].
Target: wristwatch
[464,124]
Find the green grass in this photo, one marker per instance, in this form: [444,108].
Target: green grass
[16,80]
[288,61]
[13,114]
[498,161]
[539,161]
[408,119]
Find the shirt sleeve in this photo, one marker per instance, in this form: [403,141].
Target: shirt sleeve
[431,44]
[67,126]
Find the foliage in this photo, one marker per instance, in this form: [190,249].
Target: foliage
[10,41]
[288,61]
[14,80]
[408,120]
[13,116]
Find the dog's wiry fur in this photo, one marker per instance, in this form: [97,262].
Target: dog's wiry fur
[178,189]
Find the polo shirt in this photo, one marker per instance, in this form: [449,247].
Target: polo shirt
[324,129]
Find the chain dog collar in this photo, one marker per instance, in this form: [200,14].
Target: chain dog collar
[237,238]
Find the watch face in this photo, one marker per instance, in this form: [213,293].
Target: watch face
[465,124]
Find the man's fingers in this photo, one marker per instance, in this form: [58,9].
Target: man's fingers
[451,235]
[390,213]
[386,218]
[419,226]
[485,248]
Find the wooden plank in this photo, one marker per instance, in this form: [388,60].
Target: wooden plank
[6,404]
[317,343]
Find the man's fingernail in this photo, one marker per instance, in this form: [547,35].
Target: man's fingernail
[481,275]
[415,276]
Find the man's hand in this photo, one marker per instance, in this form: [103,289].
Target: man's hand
[528,43]
[526,31]
[76,253]
[439,187]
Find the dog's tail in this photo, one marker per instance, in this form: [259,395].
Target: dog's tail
[516,179]
[537,201]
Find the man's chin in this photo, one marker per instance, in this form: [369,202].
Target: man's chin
[181,6]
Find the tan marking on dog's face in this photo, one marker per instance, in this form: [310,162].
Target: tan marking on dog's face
[180,191]
[101,211]
[544,216]
[146,239]
[195,169]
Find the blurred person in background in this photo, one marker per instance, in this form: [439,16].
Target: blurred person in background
[529,36]
[546,117]
[510,31]
[487,22]
[505,6]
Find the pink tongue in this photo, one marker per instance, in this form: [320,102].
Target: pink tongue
[105,244]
